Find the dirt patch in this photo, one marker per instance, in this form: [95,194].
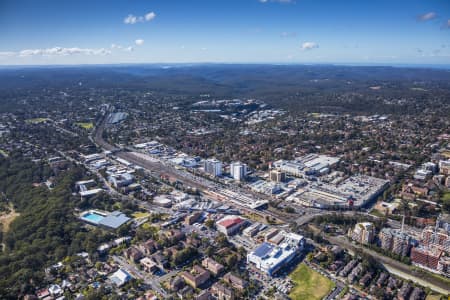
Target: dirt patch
[7,218]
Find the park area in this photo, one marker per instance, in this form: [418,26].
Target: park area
[86,125]
[308,284]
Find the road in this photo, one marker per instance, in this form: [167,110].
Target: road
[135,272]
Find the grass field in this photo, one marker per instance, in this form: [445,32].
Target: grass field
[139,214]
[37,120]
[87,125]
[308,284]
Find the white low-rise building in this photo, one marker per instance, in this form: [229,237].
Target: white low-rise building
[269,257]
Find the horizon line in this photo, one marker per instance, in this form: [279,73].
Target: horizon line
[118,64]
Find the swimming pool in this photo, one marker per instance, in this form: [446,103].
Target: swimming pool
[93,217]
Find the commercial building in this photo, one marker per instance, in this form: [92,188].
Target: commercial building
[269,258]
[238,170]
[121,180]
[290,167]
[230,225]
[318,164]
[266,187]
[363,233]
[107,220]
[193,218]
[213,167]
[277,176]
[115,118]
[90,193]
[253,229]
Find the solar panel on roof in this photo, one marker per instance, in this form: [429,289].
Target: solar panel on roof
[263,250]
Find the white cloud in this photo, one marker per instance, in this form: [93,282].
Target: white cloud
[426,17]
[139,42]
[120,47]
[59,51]
[132,19]
[309,45]
[150,16]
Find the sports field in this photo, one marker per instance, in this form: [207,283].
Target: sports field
[87,125]
[308,284]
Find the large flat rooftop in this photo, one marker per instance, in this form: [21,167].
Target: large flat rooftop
[111,220]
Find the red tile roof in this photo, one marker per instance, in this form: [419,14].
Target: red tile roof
[230,222]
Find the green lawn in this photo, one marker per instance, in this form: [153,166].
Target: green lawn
[86,125]
[308,284]
[446,196]
[139,214]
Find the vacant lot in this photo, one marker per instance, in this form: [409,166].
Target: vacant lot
[308,284]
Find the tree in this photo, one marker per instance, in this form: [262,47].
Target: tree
[210,223]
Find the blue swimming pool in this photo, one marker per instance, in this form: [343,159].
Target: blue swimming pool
[93,217]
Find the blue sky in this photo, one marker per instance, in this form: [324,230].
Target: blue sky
[244,31]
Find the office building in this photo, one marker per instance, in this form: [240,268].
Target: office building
[238,171]
[213,167]
[277,176]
